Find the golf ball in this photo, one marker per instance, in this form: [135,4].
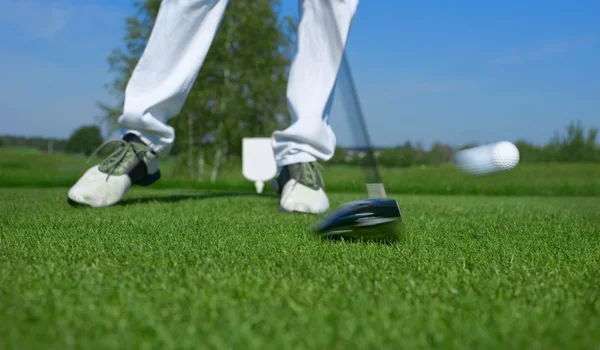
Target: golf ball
[486,159]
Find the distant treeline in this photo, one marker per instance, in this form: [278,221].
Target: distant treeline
[43,144]
[82,141]
[576,144]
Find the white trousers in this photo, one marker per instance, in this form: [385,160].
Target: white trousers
[178,44]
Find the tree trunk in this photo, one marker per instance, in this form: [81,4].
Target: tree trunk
[220,158]
[201,166]
[216,165]
[221,142]
[190,150]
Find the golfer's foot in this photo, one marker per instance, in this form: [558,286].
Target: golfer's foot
[302,188]
[131,163]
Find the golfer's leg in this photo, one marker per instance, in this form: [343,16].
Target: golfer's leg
[161,81]
[322,35]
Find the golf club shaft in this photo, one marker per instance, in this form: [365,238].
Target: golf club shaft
[352,103]
[369,165]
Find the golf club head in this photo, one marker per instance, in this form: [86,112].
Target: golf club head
[373,219]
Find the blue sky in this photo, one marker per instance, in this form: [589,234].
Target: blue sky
[455,72]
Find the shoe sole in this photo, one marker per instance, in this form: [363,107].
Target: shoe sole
[299,211]
[75,204]
[145,182]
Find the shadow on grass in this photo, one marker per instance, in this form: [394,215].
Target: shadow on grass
[386,234]
[185,197]
[377,236]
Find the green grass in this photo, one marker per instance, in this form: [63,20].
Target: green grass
[22,169]
[185,269]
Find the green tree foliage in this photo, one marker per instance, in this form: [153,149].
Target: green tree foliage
[529,152]
[438,154]
[400,156]
[576,145]
[84,140]
[340,156]
[241,88]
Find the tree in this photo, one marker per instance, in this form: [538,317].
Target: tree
[438,154]
[575,146]
[529,153]
[84,140]
[419,153]
[339,156]
[240,90]
[399,156]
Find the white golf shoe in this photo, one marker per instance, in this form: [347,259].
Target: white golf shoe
[132,163]
[302,189]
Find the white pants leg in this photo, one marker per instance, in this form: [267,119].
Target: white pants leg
[180,40]
[322,36]
[161,81]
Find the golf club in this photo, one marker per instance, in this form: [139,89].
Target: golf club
[375,218]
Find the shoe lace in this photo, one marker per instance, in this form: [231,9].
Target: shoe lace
[311,174]
[117,157]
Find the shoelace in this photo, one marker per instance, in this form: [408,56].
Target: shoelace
[311,173]
[117,156]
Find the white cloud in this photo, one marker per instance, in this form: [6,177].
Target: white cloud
[547,50]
